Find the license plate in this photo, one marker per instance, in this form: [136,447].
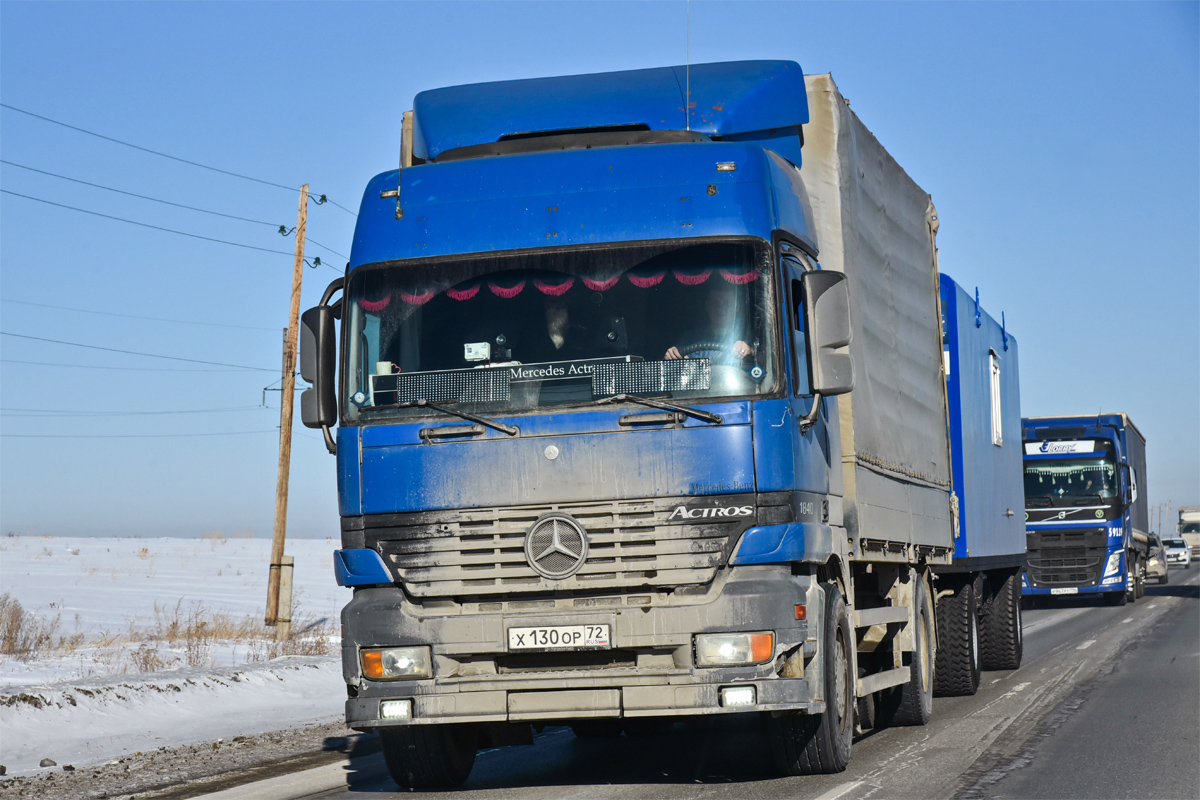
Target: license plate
[1071,590]
[559,637]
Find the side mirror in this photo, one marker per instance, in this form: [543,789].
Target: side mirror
[318,366]
[827,320]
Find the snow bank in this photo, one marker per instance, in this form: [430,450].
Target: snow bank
[92,722]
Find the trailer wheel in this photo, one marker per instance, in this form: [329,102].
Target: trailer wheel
[912,703]
[812,744]
[429,756]
[1001,640]
[956,668]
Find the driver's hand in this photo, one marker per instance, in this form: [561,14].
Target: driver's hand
[673,354]
[742,350]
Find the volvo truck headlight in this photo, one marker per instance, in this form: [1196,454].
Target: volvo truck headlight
[396,663]
[733,649]
[1114,564]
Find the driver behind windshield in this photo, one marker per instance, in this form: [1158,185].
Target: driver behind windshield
[722,331]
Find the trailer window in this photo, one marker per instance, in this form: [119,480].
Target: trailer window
[519,332]
[997,416]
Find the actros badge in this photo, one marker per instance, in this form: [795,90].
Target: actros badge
[710,512]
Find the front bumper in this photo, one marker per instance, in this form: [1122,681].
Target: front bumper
[648,672]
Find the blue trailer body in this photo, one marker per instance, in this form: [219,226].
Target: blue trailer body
[1085,506]
[984,394]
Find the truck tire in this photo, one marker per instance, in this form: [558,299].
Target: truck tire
[1001,640]
[956,670]
[429,756]
[912,703]
[1140,582]
[813,744]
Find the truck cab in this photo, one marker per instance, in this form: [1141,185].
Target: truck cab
[1085,507]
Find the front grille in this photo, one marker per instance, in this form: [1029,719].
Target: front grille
[481,552]
[1066,557]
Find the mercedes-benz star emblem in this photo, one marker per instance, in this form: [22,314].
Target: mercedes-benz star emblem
[556,546]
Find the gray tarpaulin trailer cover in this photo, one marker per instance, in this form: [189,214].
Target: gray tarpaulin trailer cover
[874,223]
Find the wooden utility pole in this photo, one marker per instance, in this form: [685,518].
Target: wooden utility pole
[288,396]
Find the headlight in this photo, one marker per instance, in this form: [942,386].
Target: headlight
[733,649]
[396,663]
[1114,564]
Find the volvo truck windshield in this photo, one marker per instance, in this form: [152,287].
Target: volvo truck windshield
[1082,479]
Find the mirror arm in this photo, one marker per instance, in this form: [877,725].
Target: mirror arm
[334,285]
[810,419]
[330,444]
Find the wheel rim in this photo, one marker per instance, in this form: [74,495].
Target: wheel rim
[841,686]
[923,644]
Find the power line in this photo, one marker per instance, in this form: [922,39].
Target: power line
[323,198]
[129,435]
[311,240]
[140,196]
[170,230]
[138,316]
[99,366]
[147,225]
[148,150]
[54,413]
[134,352]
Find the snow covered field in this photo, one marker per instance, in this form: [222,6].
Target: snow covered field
[147,643]
[115,595]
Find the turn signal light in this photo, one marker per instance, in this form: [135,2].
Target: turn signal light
[396,663]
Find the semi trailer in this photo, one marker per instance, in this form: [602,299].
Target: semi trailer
[1085,507]
[979,592]
[640,414]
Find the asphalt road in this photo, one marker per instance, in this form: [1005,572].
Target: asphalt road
[1105,705]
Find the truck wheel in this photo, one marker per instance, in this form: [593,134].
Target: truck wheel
[912,703]
[1141,578]
[812,744]
[956,669]
[429,756]
[1001,640]
[1116,598]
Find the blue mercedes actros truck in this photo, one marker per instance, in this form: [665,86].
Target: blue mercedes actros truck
[1085,507]
[639,409]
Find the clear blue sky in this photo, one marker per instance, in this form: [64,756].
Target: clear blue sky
[1060,142]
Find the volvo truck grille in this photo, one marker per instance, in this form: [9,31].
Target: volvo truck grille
[481,552]
[1066,557]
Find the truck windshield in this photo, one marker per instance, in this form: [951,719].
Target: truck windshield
[1080,480]
[526,331]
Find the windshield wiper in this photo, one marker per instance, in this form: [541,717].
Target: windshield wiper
[1038,502]
[1084,499]
[511,430]
[655,402]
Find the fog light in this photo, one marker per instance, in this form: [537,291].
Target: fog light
[734,649]
[737,696]
[396,663]
[395,709]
